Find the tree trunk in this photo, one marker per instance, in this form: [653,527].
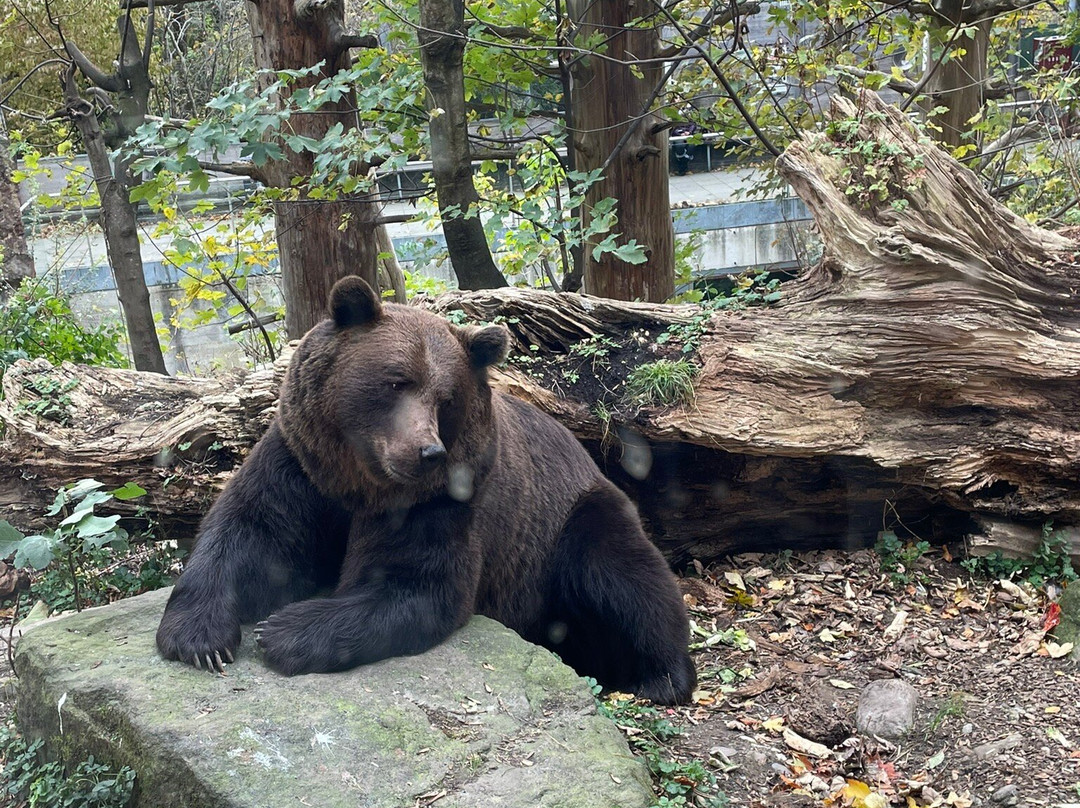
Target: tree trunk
[442,51]
[113,181]
[922,378]
[607,100]
[16,262]
[321,241]
[959,83]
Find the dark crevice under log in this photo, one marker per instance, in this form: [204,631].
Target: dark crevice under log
[925,375]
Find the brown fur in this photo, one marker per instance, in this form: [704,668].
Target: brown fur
[458,501]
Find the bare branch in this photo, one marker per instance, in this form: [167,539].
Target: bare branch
[932,69]
[1032,130]
[900,85]
[711,22]
[915,8]
[149,41]
[512,32]
[236,169]
[25,78]
[340,40]
[981,9]
[126,4]
[731,94]
[92,72]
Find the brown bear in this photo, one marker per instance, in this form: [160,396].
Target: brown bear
[394,474]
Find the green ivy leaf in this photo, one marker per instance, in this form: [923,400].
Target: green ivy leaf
[37,552]
[82,488]
[128,491]
[10,537]
[86,507]
[92,525]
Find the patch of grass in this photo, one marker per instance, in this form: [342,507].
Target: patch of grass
[1051,561]
[27,781]
[953,707]
[663,382]
[677,783]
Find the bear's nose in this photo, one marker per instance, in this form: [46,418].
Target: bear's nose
[435,453]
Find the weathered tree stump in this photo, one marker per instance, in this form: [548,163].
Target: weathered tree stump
[922,377]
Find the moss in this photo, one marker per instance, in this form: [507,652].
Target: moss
[253,738]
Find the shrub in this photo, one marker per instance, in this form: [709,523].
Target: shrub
[35,322]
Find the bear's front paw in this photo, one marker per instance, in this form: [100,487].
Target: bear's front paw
[204,637]
[296,640]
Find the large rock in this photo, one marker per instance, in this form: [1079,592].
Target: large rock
[485,719]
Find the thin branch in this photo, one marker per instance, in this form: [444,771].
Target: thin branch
[933,68]
[715,68]
[711,22]
[149,41]
[128,4]
[516,32]
[26,78]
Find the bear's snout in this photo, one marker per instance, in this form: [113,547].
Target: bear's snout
[433,455]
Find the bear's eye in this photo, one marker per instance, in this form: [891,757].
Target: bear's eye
[399,385]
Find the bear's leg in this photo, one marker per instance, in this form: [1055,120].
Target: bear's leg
[616,606]
[407,583]
[269,539]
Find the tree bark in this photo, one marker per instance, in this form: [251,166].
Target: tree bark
[921,378]
[16,262]
[113,181]
[320,241]
[959,84]
[442,54]
[129,87]
[607,100]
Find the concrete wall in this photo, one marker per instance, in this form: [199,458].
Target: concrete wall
[729,238]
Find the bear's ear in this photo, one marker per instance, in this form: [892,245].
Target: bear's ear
[486,346]
[353,302]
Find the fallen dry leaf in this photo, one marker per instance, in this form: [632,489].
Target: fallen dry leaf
[1056,651]
[759,685]
[896,627]
[805,745]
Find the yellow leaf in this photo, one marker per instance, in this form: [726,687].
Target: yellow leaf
[856,790]
[774,724]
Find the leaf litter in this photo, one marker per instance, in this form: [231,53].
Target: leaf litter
[784,644]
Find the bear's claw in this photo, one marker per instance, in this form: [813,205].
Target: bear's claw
[204,639]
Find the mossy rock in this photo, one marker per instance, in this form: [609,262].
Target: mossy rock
[484,719]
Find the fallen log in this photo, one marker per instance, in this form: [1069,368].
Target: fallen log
[922,377]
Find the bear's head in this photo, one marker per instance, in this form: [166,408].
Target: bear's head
[386,405]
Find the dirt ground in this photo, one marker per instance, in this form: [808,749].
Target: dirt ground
[784,644]
[997,717]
